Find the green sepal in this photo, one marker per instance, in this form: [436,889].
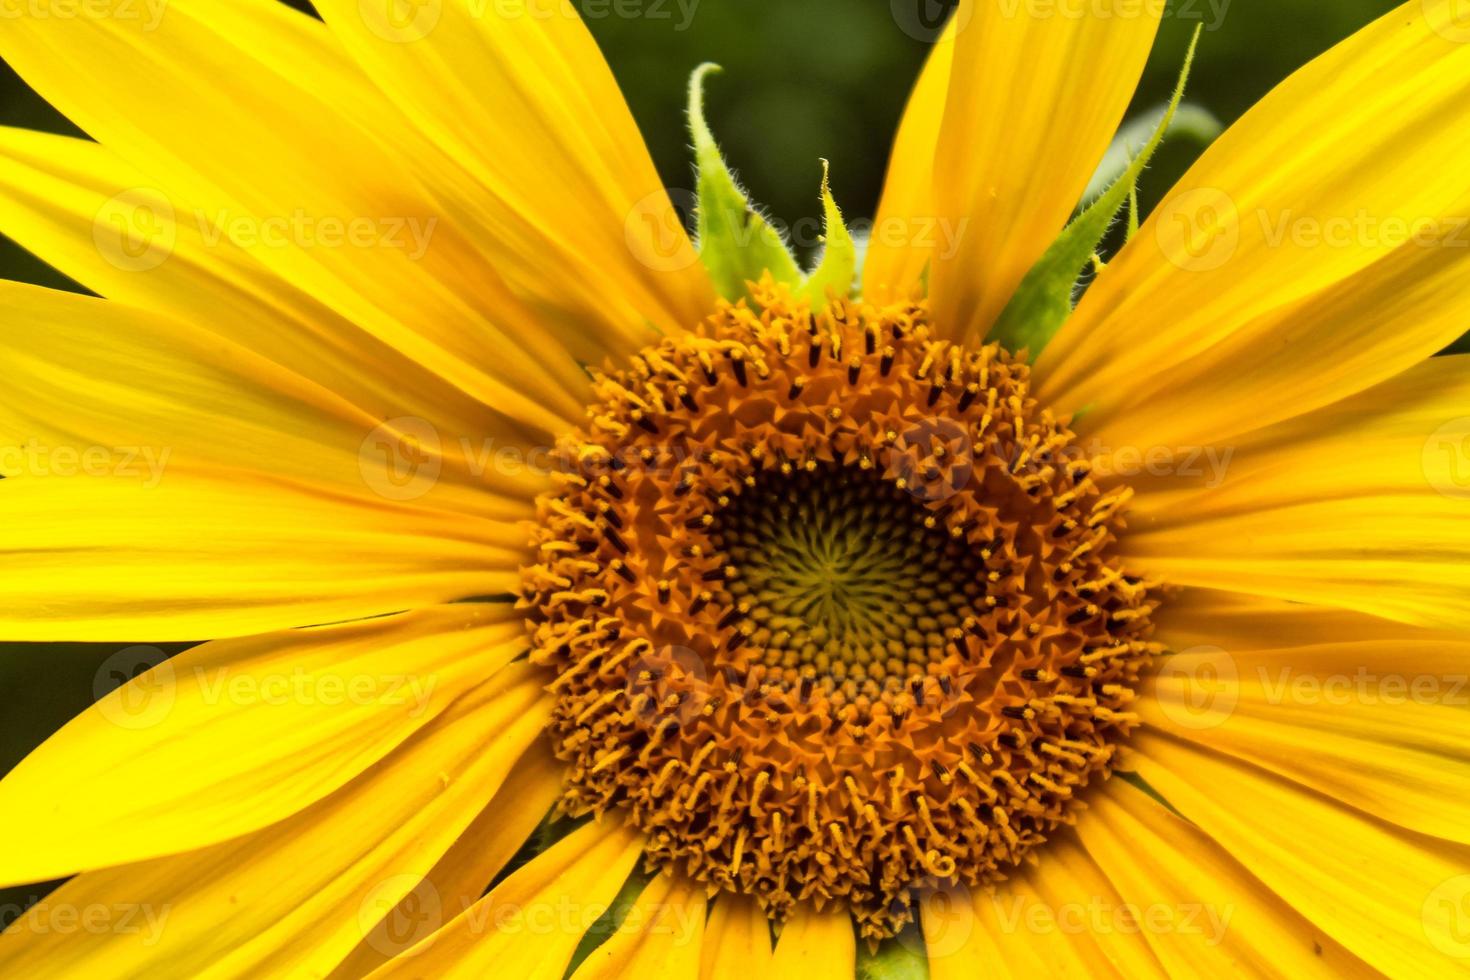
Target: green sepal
[610,921]
[1138,782]
[1043,301]
[899,958]
[1191,122]
[838,268]
[736,244]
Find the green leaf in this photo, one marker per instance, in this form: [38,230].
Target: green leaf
[838,269]
[1043,301]
[899,958]
[1134,779]
[609,921]
[736,244]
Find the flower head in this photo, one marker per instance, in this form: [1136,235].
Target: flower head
[580,595]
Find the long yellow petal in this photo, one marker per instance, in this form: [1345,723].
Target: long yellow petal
[1241,622]
[906,233]
[79,207]
[577,216]
[1058,918]
[1200,911]
[1317,248]
[111,558]
[1360,505]
[1036,93]
[530,924]
[661,935]
[101,389]
[466,870]
[737,940]
[234,735]
[816,946]
[1364,711]
[252,122]
[297,897]
[1388,896]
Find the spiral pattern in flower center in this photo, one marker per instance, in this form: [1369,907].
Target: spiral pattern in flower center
[832,608]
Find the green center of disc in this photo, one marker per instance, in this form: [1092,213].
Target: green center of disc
[845,577]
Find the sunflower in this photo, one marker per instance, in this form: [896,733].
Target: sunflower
[577,598]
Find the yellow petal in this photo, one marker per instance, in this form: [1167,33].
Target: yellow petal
[1360,505]
[79,207]
[110,558]
[295,898]
[251,121]
[102,389]
[958,946]
[1376,721]
[816,946]
[577,217]
[1241,622]
[1200,911]
[1035,95]
[1315,249]
[1388,896]
[530,924]
[1058,918]
[737,940]
[661,935]
[233,735]
[466,870]
[906,231]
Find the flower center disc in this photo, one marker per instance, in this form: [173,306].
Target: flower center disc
[832,608]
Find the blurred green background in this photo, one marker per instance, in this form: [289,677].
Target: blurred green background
[803,80]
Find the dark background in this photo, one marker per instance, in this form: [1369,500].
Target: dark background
[803,80]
